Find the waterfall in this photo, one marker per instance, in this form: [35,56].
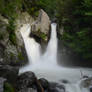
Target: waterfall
[51,51]
[32,47]
[45,66]
[36,60]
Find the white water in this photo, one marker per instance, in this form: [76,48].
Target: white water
[51,52]
[45,66]
[32,48]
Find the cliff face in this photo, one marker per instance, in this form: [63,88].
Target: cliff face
[10,53]
[15,54]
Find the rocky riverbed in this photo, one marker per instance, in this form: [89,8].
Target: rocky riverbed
[11,81]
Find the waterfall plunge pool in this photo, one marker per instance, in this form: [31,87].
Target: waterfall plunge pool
[45,66]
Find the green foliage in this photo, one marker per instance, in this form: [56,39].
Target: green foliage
[20,56]
[9,8]
[49,6]
[31,7]
[76,17]
[80,43]
[43,36]
[11,28]
[8,88]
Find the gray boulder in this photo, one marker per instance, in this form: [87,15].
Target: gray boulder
[8,72]
[41,26]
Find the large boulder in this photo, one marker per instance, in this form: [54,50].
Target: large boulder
[44,83]
[41,26]
[8,72]
[28,81]
[51,86]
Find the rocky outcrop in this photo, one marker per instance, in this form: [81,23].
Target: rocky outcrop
[10,53]
[8,72]
[28,81]
[41,26]
[15,54]
[44,83]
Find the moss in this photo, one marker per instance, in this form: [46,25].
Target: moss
[8,88]
[36,13]
[11,29]
[20,56]
[12,38]
[43,36]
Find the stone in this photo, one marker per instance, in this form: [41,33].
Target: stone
[55,87]
[44,83]
[26,80]
[28,90]
[8,72]
[41,26]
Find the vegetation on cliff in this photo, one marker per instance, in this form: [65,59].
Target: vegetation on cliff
[75,16]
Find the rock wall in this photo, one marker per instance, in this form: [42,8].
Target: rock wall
[15,54]
[10,53]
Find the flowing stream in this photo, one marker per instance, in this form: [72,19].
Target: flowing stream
[46,66]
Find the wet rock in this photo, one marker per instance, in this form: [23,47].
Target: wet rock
[28,90]
[9,72]
[64,81]
[44,83]
[26,80]
[55,87]
[41,26]
[86,83]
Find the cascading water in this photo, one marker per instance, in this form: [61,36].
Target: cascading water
[32,48]
[51,51]
[46,65]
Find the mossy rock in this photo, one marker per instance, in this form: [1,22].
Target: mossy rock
[8,87]
[40,35]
